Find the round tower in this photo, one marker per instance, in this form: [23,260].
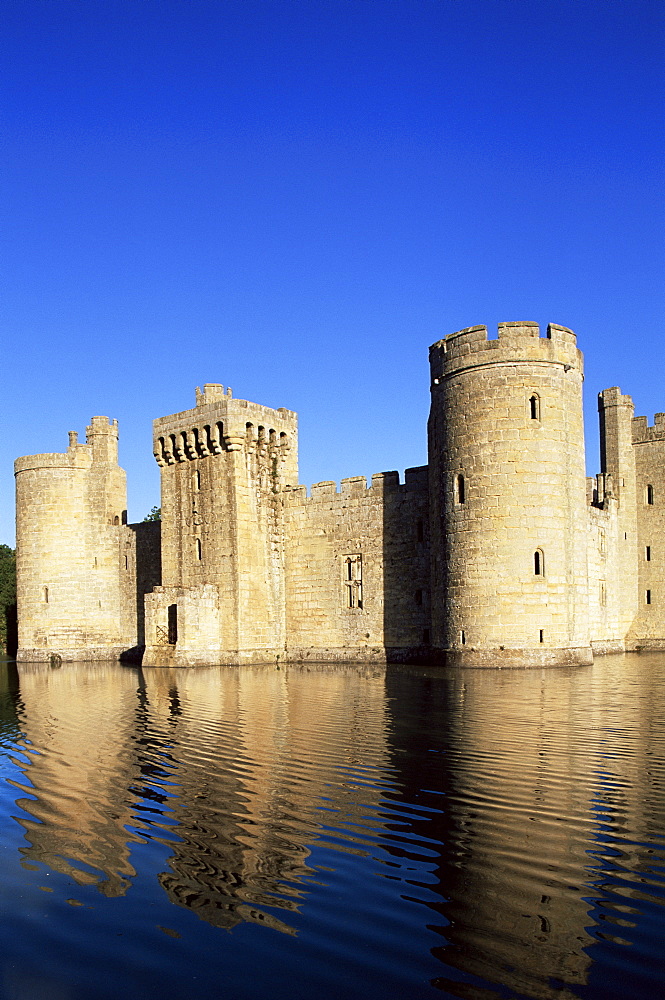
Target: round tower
[69,511]
[508,498]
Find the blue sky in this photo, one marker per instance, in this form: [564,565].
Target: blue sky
[296,198]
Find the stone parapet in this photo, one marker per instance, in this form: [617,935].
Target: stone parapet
[517,343]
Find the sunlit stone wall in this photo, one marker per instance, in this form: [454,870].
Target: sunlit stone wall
[69,514]
[357,568]
[649,447]
[508,497]
[223,464]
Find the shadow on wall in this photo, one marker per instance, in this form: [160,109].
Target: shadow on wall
[406,567]
[148,542]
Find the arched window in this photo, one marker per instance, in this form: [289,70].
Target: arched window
[650,494]
[534,407]
[460,489]
[539,563]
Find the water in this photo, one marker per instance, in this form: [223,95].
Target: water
[332,832]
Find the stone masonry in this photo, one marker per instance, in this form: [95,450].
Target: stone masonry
[499,552]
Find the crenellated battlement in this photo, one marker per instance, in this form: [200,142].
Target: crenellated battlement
[218,423]
[513,558]
[101,446]
[642,432]
[415,481]
[613,397]
[519,342]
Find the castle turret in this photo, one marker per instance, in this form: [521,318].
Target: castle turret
[508,498]
[222,466]
[69,511]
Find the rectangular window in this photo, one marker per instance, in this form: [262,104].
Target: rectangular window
[542,635]
[647,553]
[603,594]
[352,574]
[648,597]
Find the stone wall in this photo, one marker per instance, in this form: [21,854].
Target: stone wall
[498,553]
[70,509]
[357,568]
[508,495]
[223,464]
[649,446]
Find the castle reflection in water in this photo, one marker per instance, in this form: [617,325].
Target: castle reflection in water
[511,808]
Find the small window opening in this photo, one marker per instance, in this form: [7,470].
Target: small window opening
[647,553]
[461,489]
[197,480]
[95,562]
[463,637]
[116,519]
[199,549]
[45,595]
[538,563]
[603,593]
[425,637]
[542,635]
[650,495]
[172,620]
[126,563]
[419,597]
[625,535]
[420,530]
[534,407]
[353,581]
[648,597]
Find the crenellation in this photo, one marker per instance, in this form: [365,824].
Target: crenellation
[643,432]
[499,552]
[353,486]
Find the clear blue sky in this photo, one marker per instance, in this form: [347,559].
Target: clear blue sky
[296,198]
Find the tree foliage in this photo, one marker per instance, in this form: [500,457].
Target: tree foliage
[154,515]
[7,594]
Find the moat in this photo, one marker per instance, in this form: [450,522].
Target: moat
[332,832]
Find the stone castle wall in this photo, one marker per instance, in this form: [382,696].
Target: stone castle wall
[70,509]
[498,553]
[357,568]
[506,445]
[648,630]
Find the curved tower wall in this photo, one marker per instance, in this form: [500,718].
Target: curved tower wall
[69,511]
[506,417]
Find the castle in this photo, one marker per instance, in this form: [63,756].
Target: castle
[499,552]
